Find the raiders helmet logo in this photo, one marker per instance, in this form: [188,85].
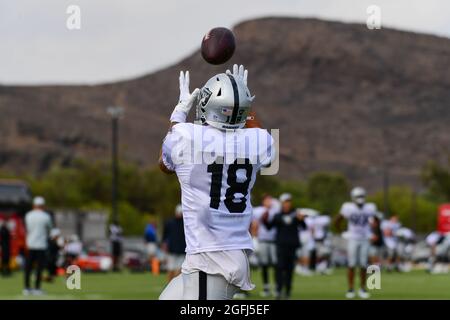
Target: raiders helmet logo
[205,94]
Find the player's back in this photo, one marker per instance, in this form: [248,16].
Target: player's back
[38,225]
[217,170]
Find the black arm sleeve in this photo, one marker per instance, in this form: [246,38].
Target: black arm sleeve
[301,224]
[273,223]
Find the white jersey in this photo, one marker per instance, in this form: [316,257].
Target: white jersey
[38,224]
[433,238]
[405,234]
[390,229]
[216,170]
[358,219]
[317,226]
[265,234]
[74,248]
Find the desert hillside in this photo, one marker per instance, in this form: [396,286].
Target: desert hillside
[345,98]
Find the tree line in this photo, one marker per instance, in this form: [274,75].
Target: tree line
[146,194]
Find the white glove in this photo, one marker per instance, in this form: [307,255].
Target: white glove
[239,72]
[186,101]
[184,86]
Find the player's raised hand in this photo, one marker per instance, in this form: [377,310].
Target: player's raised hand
[239,72]
[186,100]
[186,104]
[184,86]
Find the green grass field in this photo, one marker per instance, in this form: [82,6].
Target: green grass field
[414,285]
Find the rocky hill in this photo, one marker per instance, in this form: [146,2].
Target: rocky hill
[345,99]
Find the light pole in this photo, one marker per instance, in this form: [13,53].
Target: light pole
[385,173]
[416,192]
[386,182]
[115,112]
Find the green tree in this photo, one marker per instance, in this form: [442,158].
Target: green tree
[298,191]
[327,191]
[437,178]
[148,194]
[265,185]
[414,211]
[131,220]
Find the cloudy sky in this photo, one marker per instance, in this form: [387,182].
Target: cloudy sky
[121,39]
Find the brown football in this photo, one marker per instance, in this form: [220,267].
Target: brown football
[218,45]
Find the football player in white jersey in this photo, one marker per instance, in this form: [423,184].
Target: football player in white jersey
[320,255]
[305,253]
[390,228]
[358,214]
[216,162]
[267,251]
[439,244]
[405,248]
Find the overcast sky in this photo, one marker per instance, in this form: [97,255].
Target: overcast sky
[121,39]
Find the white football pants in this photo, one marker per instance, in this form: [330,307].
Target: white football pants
[198,286]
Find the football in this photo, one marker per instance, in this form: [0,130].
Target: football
[218,46]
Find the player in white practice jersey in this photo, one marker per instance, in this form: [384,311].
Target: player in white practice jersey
[405,248]
[320,253]
[266,251]
[307,244]
[390,228]
[439,244]
[216,162]
[358,214]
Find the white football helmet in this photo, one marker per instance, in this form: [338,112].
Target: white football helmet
[224,102]
[358,195]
